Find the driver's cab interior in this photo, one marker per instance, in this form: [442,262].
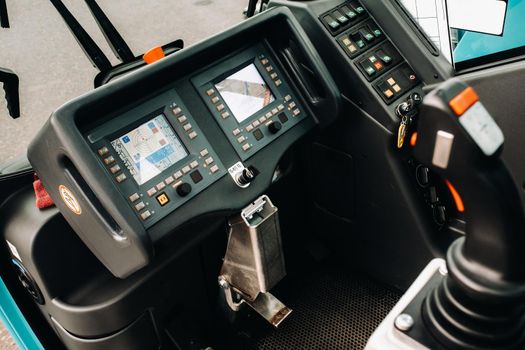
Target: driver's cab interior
[319,176]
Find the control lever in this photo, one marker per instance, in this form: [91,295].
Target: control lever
[11,83]
[479,304]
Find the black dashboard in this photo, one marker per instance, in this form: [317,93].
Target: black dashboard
[199,132]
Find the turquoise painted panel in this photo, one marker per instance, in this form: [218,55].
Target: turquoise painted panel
[15,322]
[474,45]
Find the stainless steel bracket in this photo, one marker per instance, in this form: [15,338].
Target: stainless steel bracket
[254,261]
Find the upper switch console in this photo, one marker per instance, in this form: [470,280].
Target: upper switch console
[250,99]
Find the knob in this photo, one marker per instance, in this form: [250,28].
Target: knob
[274,127]
[247,175]
[184,189]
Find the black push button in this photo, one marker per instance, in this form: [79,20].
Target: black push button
[258,134]
[332,23]
[340,17]
[196,176]
[283,118]
[348,12]
[367,34]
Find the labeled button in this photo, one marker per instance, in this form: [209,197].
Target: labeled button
[192,135]
[134,197]
[391,81]
[388,93]
[264,61]
[278,82]
[249,127]
[169,180]
[145,215]
[241,139]
[182,119]
[340,17]
[210,92]
[109,160]
[280,107]
[268,115]
[215,99]
[177,175]
[103,151]
[196,177]
[269,68]
[256,123]
[367,35]
[220,107]
[214,169]
[140,206]
[246,147]
[275,111]
[160,186]
[121,178]
[384,57]
[208,161]
[273,76]
[204,152]
[151,191]
[332,23]
[186,169]
[236,132]
[258,134]
[225,115]
[115,169]
[262,119]
[296,112]
[348,12]
[291,105]
[163,199]
[194,164]
[396,88]
[176,110]
[287,98]
[187,127]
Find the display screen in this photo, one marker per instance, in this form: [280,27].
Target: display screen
[149,149]
[245,92]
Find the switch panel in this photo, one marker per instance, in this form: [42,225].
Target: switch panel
[343,17]
[378,61]
[360,38]
[396,83]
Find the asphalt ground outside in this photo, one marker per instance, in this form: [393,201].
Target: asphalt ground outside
[53,68]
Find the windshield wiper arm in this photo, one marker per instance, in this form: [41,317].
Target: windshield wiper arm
[113,37]
[92,51]
[10,81]
[4,18]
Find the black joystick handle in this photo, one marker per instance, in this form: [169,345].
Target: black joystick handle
[480,304]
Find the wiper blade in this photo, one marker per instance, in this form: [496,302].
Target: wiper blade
[11,82]
[4,18]
[91,49]
[113,37]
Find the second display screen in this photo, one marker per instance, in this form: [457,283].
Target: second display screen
[245,92]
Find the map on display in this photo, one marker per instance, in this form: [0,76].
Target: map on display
[245,92]
[149,149]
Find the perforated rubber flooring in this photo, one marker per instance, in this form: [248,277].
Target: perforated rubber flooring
[331,310]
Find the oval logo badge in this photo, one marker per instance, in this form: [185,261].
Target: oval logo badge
[69,199]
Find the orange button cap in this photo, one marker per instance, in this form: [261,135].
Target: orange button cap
[154,55]
[413,139]
[462,102]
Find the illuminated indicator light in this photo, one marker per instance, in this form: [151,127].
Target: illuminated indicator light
[372,59]
[352,48]
[388,93]
[391,81]
[154,55]
[463,101]
[378,65]
[413,139]
[163,199]
[457,198]
[396,88]
[347,41]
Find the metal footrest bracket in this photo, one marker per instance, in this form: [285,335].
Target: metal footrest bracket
[254,261]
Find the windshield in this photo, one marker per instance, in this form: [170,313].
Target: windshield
[52,67]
